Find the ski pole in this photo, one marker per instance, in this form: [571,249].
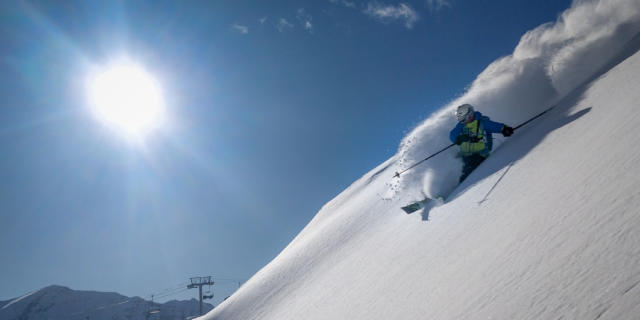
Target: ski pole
[535,117]
[397,175]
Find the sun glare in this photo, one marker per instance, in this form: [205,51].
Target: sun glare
[127,98]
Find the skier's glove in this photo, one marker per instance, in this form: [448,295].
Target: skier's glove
[507,131]
[462,138]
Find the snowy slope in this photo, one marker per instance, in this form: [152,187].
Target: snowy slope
[56,302]
[547,228]
[559,235]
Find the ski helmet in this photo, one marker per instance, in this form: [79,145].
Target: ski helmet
[464,112]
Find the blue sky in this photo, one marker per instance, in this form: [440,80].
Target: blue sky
[274,108]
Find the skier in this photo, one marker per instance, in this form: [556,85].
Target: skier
[473,135]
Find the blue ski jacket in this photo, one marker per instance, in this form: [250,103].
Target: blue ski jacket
[481,127]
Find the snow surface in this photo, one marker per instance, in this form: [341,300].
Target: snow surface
[547,228]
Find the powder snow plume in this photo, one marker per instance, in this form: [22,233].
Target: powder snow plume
[548,63]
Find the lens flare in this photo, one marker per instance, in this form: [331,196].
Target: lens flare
[127,98]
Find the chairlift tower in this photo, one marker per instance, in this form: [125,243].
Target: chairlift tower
[198,282]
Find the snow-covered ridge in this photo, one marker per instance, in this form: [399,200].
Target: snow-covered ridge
[57,302]
[16,300]
[547,228]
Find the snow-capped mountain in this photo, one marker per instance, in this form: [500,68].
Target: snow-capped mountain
[548,227]
[57,302]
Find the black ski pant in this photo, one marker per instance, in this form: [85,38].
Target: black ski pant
[471,163]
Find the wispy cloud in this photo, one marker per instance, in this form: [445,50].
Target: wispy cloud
[263,20]
[435,5]
[240,28]
[346,3]
[305,19]
[283,25]
[390,13]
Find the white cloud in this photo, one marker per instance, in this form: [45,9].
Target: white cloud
[240,28]
[346,3]
[283,25]
[435,5]
[390,13]
[305,20]
[262,20]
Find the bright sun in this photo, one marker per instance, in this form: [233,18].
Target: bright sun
[127,98]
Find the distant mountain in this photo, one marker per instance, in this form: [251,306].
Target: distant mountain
[57,302]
